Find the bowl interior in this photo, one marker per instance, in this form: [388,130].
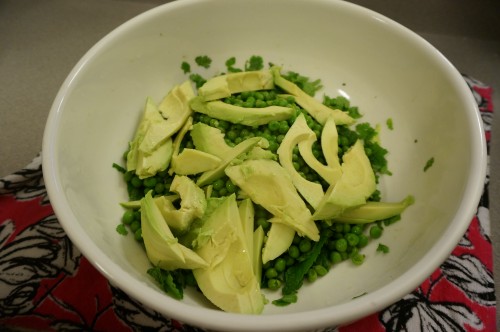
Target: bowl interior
[384,69]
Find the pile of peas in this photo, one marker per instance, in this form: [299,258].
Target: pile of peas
[344,242]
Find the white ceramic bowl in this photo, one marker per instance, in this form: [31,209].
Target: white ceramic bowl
[385,69]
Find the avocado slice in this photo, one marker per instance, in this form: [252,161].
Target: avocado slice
[258,243]
[136,205]
[148,164]
[374,211]
[355,185]
[247,215]
[331,172]
[279,239]
[162,248]
[192,161]
[299,131]
[173,111]
[225,85]
[150,115]
[177,142]
[218,172]
[248,116]
[228,282]
[330,148]
[193,204]
[257,152]
[316,109]
[268,184]
[210,140]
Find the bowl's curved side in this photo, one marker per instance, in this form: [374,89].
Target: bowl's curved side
[158,40]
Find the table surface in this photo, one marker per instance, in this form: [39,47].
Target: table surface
[42,40]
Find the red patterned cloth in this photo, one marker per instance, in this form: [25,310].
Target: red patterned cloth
[46,284]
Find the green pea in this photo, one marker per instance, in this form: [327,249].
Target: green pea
[267,265]
[204,119]
[352,251]
[258,95]
[305,245]
[249,103]
[356,229]
[136,182]
[375,231]
[134,226]
[138,234]
[273,146]
[273,125]
[320,270]
[137,215]
[149,182]
[260,103]
[282,102]
[128,217]
[231,134]
[341,245]
[213,122]
[312,275]
[159,188]
[218,184]
[230,187]
[317,153]
[294,251]
[271,273]
[271,95]
[352,239]
[274,284]
[280,264]
[358,259]
[244,132]
[335,257]
[363,241]
[283,127]
[223,124]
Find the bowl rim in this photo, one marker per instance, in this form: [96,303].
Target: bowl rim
[345,312]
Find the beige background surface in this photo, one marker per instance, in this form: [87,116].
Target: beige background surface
[41,40]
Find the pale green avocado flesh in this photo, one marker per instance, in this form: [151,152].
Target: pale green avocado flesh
[229,281]
[268,184]
[374,211]
[298,132]
[162,247]
[315,108]
[356,184]
[225,85]
[248,116]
